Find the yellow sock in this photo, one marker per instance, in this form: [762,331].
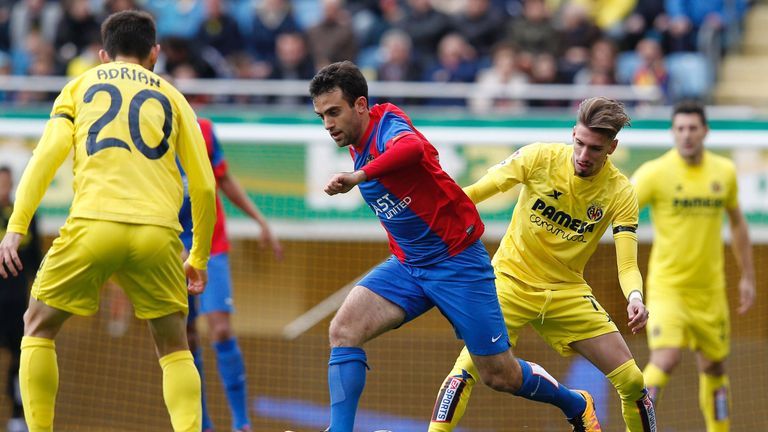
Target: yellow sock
[454,394]
[655,380]
[181,391]
[39,382]
[714,401]
[636,407]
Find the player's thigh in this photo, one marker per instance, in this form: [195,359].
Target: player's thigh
[520,304]
[667,322]
[709,326]
[573,314]
[153,275]
[463,288]
[393,281]
[78,263]
[217,296]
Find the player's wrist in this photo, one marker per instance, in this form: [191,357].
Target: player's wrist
[635,295]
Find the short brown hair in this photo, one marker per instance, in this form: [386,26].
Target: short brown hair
[690,107]
[602,115]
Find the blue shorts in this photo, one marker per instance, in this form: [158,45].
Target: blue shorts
[463,289]
[217,296]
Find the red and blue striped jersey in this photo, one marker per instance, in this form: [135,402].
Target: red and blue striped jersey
[219,243]
[427,216]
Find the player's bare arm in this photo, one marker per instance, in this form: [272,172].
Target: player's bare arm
[9,255]
[742,249]
[235,192]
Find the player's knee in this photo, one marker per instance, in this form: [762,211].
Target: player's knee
[341,335]
[629,383]
[221,332]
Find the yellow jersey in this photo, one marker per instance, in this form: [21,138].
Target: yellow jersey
[687,205]
[127,126]
[559,217]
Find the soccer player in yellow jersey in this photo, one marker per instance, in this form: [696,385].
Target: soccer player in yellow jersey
[570,195]
[688,190]
[126,127]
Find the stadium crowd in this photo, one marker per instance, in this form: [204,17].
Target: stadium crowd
[671,44]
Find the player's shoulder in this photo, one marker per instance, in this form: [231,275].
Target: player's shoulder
[718,162]
[647,170]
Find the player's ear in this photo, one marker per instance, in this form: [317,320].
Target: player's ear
[614,143]
[361,104]
[104,57]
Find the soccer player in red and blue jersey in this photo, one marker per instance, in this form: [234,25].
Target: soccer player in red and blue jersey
[216,301]
[438,260]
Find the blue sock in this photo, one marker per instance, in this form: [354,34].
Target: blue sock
[540,386]
[207,423]
[232,372]
[346,380]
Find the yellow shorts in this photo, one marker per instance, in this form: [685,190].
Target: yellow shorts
[145,259]
[696,320]
[561,317]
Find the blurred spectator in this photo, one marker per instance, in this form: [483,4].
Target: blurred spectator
[88,58]
[577,35]
[5,70]
[333,38]
[688,17]
[272,18]
[480,24]
[112,6]
[398,63]
[219,30]
[533,32]
[177,51]
[75,30]
[293,59]
[33,16]
[371,22]
[608,14]
[180,18]
[294,63]
[41,64]
[602,61]
[455,63]
[652,70]
[544,71]
[5,26]
[503,72]
[647,20]
[427,26]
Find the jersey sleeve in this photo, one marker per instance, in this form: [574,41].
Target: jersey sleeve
[193,157]
[643,184]
[515,169]
[625,217]
[216,155]
[402,150]
[732,199]
[54,146]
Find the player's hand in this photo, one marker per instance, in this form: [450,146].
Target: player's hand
[10,263]
[638,315]
[344,182]
[268,238]
[746,294]
[196,279]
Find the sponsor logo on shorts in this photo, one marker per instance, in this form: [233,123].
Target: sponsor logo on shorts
[448,400]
